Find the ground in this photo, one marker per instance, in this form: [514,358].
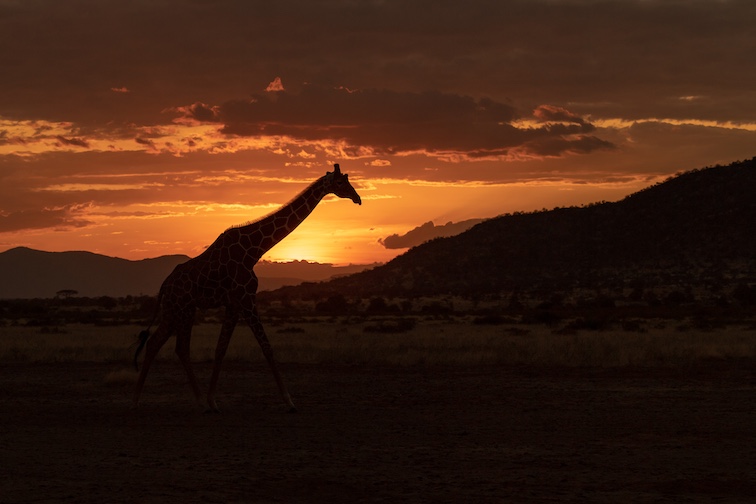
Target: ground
[381,434]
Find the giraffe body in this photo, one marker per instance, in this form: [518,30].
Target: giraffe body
[223,276]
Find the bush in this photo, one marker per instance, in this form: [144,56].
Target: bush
[590,324]
[493,319]
[391,326]
[336,304]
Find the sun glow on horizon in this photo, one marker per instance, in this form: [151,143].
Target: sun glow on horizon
[292,249]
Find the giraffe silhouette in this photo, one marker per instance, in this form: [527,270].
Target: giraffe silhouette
[222,276]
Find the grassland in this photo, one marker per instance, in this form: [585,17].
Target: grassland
[392,409]
[448,342]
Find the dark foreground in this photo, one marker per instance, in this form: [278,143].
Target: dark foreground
[381,435]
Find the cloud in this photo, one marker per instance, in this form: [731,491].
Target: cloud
[150,144]
[6,139]
[65,217]
[389,122]
[648,53]
[275,86]
[198,112]
[425,232]
[552,113]
[76,142]
[560,145]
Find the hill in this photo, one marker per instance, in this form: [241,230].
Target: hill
[28,273]
[695,227]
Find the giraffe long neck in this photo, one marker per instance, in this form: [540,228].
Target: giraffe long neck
[268,231]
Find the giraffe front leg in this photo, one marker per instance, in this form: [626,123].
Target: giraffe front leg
[227,329]
[183,338]
[254,322]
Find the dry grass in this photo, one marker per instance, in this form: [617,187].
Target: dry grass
[83,343]
[430,343]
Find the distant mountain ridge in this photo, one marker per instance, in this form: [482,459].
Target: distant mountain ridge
[29,273]
[698,225]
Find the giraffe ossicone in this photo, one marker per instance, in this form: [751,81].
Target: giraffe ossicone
[222,275]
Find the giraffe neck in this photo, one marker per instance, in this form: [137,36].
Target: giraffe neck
[267,232]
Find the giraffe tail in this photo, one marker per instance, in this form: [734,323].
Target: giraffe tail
[143,337]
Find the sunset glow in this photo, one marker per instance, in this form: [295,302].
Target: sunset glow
[128,143]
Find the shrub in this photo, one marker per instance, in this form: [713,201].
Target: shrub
[291,330]
[399,325]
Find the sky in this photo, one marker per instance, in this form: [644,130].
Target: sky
[143,128]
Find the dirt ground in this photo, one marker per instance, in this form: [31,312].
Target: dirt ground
[386,434]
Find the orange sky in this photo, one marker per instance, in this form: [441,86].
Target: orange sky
[148,128]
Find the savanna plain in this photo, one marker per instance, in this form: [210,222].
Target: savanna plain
[427,409]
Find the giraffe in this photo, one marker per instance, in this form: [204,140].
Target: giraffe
[222,275]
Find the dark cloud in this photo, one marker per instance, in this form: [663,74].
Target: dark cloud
[146,142]
[549,113]
[624,57]
[425,232]
[42,219]
[199,112]
[391,122]
[76,142]
[387,121]
[557,146]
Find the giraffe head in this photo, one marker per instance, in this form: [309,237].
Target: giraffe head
[338,184]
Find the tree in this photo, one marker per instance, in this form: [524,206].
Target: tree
[335,304]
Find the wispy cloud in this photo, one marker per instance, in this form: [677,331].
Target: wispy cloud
[76,142]
[619,123]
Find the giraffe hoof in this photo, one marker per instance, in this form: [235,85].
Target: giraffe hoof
[292,409]
[212,411]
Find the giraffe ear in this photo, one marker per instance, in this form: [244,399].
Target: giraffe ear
[336,169]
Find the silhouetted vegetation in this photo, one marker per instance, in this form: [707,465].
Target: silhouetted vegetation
[51,313]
